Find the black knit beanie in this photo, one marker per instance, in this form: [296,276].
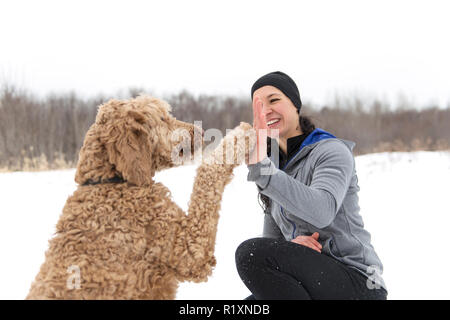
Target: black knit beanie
[283,82]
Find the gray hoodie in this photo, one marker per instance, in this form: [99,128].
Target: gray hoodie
[317,191]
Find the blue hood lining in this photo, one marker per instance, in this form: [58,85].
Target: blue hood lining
[315,136]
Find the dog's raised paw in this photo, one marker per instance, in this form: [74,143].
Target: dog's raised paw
[245,126]
[235,146]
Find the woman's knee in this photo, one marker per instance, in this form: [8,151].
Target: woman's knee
[251,253]
[245,258]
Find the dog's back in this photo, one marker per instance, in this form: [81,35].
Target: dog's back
[112,241]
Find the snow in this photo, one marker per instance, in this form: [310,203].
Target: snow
[403,200]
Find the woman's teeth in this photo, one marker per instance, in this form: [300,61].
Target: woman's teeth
[272,121]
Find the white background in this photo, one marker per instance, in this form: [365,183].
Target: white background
[392,50]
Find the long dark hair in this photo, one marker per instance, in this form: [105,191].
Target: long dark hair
[307,127]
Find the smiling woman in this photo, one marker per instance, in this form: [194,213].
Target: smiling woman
[281,106]
[314,244]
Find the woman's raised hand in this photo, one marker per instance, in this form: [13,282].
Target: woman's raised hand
[259,124]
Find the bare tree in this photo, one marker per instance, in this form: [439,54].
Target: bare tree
[48,133]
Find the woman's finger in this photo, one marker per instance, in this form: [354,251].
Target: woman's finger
[255,101]
[311,246]
[314,244]
[314,239]
[259,115]
[304,241]
[255,106]
[311,243]
[256,113]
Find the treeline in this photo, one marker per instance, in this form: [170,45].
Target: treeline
[47,133]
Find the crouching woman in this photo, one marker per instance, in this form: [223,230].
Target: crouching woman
[314,244]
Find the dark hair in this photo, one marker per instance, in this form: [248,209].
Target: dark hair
[307,127]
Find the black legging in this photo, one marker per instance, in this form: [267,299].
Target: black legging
[279,269]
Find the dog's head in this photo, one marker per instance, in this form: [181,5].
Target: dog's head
[134,138]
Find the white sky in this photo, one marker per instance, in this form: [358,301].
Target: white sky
[373,48]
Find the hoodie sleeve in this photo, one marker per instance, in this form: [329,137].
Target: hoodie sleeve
[317,203]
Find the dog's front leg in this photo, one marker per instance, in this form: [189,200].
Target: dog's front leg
[193,253]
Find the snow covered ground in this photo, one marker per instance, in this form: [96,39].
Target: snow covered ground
[404,201]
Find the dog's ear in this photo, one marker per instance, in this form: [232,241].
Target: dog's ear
[130,149]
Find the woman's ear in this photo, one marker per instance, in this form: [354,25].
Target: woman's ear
[130,150]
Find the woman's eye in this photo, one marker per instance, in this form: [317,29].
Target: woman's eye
[273,100]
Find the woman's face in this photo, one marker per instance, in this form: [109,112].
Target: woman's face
[279,112]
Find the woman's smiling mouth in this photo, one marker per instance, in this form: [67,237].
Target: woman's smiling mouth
[273,123]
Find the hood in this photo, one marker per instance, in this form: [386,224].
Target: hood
[315,136]
[320,134]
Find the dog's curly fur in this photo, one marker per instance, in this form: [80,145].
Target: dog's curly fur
[129,240]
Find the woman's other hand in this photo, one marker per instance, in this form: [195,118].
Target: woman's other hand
[309,241]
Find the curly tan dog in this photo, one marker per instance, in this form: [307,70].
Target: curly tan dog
[120,236]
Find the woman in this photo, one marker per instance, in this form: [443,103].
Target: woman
[314,244]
